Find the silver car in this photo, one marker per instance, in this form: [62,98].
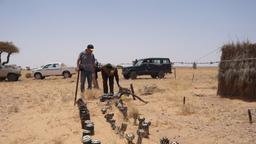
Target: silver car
[11,72]
[53,69]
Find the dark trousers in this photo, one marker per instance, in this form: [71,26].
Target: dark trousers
[86,75]
[106,78]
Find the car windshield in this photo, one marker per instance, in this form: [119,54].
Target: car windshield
[46,66]
[139,62]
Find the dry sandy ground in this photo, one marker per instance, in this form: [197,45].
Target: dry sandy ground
[42,111]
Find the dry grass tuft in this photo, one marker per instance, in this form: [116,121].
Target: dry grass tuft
[28,75]
[187,109]
[150,89]
[13,109]
[237,72]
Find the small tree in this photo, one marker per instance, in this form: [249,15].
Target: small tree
[9,48]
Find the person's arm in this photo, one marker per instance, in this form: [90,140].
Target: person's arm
[94,62]
[78,62]
[116,77]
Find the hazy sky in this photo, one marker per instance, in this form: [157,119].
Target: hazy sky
[122,30]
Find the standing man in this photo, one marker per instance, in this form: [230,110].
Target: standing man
[108,73]
[86,65]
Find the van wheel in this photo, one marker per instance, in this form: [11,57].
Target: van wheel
[38,76]
[12,77]
[133,75]
[161,74]
[66,74]
[2,78]
[154,76]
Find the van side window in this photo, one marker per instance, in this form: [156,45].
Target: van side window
[47,66]
[146,61]
[55,65]
[165,61]
[156,61]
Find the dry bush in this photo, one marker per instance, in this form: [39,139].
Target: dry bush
[28,75]
[150,89]
[237,72]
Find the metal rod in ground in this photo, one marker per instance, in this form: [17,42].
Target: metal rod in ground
[175,73]
[193,77]
[184,100]
[132,90]
[250,115]
[77,81]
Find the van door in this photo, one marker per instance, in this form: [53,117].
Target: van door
[155,66]
[3,71]
[54,69]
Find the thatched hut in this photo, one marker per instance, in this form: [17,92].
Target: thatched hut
[237,71]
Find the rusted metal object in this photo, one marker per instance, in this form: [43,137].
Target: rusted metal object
[109,116]
[250,115]
[120,105]
[87,139]
[122,129]
[164,140]
[103,110]
[109,105]
[106,97]
[86,132]
[140,133]
[129,137]
[84,114]
[128,92]
[145,127]
[83,110]
[141,120]
[113,124]
[96,142]
[90,127]
[124,111]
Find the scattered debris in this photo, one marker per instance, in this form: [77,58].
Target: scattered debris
[129,137]
[140,133]
[166,140]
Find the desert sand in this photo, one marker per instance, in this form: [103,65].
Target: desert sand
[42,111]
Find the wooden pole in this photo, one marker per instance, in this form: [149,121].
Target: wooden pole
[175,73]
[250,115]
[132,90]
[77,81]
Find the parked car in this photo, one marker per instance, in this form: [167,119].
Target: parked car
[11,72]
[53,69]
[156,67]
